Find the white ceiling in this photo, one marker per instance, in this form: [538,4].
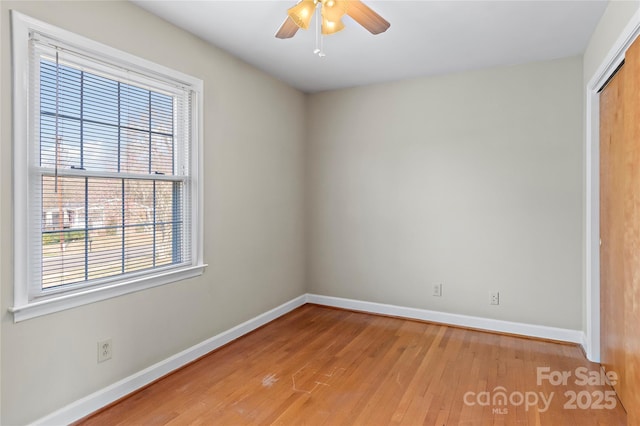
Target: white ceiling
[425,38]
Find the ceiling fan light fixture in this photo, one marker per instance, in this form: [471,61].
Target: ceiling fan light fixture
[302,13]
[329,19]
[331,27]
[334,10]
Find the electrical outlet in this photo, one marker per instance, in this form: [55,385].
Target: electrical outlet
[105,350]
[495,298]
[437,290]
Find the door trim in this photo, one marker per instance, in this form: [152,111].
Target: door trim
[606,69]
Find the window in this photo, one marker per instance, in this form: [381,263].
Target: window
[106,171]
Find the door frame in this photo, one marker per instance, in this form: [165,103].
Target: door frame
[591,271]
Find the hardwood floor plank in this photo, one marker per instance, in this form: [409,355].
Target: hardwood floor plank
[325,366]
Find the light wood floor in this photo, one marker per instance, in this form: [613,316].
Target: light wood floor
[323,366]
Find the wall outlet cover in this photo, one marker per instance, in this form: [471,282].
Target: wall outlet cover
[105,350]
[437,290]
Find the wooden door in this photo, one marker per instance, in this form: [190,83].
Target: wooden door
[612,175]
[620,231]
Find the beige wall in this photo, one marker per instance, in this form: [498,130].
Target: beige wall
[473,180]
[2,236]
[254,242]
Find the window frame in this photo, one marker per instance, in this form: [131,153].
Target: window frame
[26,304]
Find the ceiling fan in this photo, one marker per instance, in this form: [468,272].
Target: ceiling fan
[332,11]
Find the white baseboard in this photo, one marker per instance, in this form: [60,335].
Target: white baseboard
[89,404]
[529,330]
[97,400]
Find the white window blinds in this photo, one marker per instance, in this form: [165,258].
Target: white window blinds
[109,170]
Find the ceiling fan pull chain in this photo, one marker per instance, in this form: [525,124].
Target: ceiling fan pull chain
[321,53]
[319,24]
[317,50]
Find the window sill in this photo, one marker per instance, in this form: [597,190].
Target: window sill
[60,303]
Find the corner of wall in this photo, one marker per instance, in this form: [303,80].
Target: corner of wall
[306,175]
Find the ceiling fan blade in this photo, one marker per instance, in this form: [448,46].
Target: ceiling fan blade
[288,29]
[365,16]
